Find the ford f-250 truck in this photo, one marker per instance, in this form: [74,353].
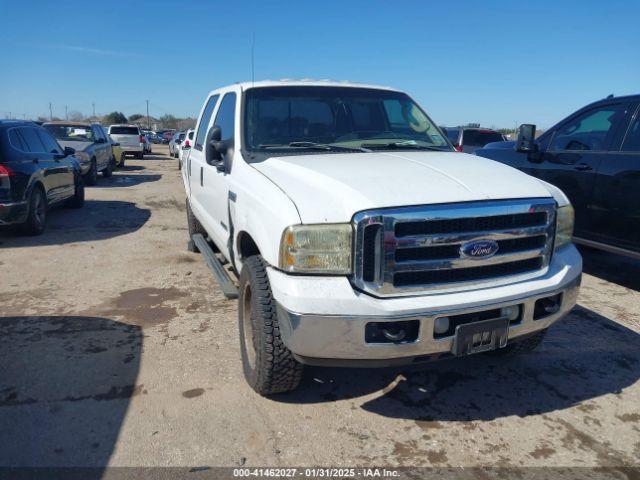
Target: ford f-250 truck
[362,238]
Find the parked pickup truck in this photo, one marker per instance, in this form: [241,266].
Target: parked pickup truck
[362,238]
[593,155]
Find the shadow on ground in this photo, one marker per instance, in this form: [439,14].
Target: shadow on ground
[623,271]
[121,179]
[583,357]
[65,388]
[130,168]
[97,220]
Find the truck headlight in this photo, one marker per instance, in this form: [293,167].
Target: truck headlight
[322,248]
[564,226]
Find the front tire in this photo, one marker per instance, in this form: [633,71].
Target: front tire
[91,178]
[107,172]
[269,366]
[122,158]
[77,201]
[37,216]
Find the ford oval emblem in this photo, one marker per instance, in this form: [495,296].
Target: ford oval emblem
[479,249]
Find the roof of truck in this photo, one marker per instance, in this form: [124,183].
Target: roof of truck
[286,82]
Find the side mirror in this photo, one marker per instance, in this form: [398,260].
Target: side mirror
[526,142]
[68,151]
[115,144]
[213,154]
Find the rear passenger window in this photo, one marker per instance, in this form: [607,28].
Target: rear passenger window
[33,142]
[16,140]
[204,122]
[632,140]
[50,144]
[225,119]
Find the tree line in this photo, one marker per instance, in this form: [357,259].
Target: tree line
[166,121]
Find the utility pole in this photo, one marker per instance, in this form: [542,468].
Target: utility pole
[148,123]
[50,112]
[93,105]
[66,113]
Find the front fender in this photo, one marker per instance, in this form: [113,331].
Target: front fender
[260,209]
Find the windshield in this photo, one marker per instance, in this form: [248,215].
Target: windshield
[298,117]
[70,133]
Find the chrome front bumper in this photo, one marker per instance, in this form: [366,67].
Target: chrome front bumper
[340,340]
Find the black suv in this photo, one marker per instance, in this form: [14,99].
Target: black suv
[469,139]
[35,174]
[593,155]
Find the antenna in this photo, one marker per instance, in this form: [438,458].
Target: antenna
[253,44]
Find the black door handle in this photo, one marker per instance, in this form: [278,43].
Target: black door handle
[583,167]
[35,160]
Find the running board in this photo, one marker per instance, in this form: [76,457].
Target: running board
[226,284]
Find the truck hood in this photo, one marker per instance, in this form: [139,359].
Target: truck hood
[77,146]
[333,187]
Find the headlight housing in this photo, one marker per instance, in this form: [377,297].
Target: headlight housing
[564,226]
[322,248]
[82,156]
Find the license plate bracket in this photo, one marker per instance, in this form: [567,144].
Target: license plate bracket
[481,336]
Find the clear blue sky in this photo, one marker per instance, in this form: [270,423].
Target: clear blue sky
[491,62]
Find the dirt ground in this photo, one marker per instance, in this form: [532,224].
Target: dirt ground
[117,348]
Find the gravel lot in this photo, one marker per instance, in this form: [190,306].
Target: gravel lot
[118,348]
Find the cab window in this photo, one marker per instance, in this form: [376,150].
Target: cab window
[204,121]
[632,140]
[591,130]
[225,118]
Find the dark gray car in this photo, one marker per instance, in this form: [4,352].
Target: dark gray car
[468,140]
[93,149]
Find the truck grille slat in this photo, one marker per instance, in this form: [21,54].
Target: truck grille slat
[473,273]
[403,251]
[498,222]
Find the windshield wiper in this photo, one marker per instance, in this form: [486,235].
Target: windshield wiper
[314,146]
[403,144]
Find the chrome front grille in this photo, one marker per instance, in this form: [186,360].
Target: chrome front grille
[409,250]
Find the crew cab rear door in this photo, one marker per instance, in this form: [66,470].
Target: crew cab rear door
[574,153]
[616,200]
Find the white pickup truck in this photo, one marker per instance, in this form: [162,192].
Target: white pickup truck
[362,238]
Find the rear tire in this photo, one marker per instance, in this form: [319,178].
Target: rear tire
[528,344]
[37,216]
[269,366]
[194,227]
[91,178]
